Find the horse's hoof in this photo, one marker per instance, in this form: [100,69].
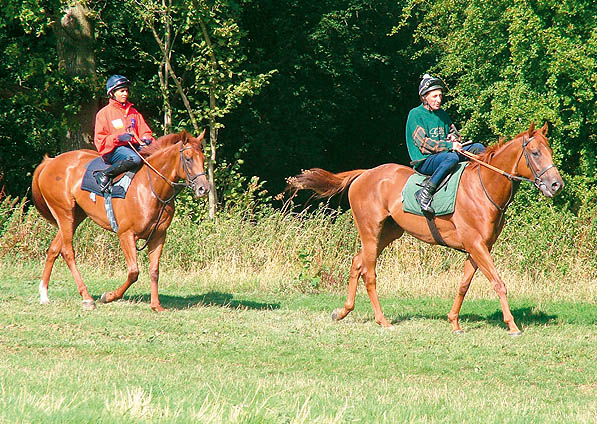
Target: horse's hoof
[515,334]
[457,332]
[104,298]
[335,314]
[44,302]
[158,308]
[89,304]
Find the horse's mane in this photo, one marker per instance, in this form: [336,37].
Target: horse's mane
[490,152]
[161,143]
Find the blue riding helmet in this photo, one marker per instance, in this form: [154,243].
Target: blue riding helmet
[429,83]
[115,82]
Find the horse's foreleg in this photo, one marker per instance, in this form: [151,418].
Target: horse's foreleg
[155,251]
[469,271]
[480,254]
[355,273]
[127,243]
[53,252]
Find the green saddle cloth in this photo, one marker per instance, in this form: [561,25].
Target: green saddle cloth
[444,199]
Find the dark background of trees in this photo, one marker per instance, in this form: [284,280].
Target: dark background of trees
[346,74]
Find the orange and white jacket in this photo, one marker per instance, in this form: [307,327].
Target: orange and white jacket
[115,119]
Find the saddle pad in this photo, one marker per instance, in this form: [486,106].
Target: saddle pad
[89,183]
[444,199]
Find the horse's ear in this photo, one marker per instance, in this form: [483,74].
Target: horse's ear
[202,135]
[544,129]
[184,136]
[531,128]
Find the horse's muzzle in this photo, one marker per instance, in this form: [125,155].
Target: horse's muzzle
[201,190]
[551,186]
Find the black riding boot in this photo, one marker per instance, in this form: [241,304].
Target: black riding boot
[105,177]
[425,196]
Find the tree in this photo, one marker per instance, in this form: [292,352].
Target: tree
[215,83]
[511,63]
[76,55]
[342,93]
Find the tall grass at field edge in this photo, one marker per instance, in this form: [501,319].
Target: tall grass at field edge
[542,253]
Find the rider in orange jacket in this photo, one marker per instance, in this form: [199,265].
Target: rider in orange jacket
[117,124]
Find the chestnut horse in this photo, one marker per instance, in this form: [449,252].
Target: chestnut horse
[145,213]
[483,195]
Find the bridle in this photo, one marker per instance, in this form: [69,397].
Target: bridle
[190,182]
[515,179]
[538,182]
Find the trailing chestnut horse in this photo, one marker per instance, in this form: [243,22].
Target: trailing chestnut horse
[145,213]
[483,196]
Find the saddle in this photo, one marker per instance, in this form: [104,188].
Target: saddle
[444,198]
[118,188]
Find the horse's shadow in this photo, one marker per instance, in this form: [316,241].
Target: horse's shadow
[524,316]
[213,298]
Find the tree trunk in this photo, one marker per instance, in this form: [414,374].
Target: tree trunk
[163,72]
[75,45]
[213,138]
[213,194]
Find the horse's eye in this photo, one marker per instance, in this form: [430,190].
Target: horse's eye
[535,153]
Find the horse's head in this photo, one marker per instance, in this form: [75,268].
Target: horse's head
[192,161]
[538,165]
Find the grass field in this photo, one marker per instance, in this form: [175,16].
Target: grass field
[228,352]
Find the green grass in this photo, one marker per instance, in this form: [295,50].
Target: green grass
[255,354]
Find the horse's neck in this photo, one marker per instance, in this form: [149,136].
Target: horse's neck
[499,187]
[166,163]
[508,157]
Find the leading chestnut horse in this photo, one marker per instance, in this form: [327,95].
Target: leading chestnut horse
[145,213]
[483,195]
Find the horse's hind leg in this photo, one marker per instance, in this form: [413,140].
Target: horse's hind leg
[374,239]
[53,252]
[68,225]
[355,273]
[469,271]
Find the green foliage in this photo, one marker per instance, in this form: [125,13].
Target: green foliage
[509,64]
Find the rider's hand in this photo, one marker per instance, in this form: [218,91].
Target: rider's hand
[456,146]
[146,141]
[125,137]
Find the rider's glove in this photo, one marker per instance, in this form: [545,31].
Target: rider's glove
[146,141]
[125,137]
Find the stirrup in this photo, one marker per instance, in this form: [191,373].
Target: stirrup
[424,205]
[103,181]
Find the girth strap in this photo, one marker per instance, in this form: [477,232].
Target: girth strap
[435,232]
[430,218]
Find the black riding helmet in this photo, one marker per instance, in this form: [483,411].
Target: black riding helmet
[429,83]
[115,82]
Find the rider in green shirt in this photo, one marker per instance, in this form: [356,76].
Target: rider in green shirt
[432,140]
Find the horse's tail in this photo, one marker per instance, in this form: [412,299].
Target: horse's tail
[38,199]
[324,183]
